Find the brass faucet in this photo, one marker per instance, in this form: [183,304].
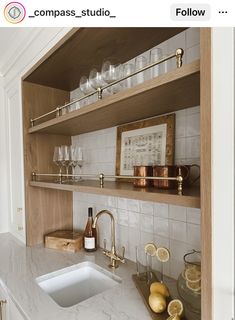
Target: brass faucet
[112,254]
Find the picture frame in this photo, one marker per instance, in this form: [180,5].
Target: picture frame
[146,142]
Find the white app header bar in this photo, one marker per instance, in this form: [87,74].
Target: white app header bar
[105,13]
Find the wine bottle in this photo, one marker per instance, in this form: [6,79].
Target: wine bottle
[90,233]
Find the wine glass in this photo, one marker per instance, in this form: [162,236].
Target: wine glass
[77,158]
[57,157]
[86,88]
[66,157]
[96,80]
[110,72]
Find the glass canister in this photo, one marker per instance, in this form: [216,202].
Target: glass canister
[189,281]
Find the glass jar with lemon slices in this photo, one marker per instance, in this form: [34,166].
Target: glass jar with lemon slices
[189,281]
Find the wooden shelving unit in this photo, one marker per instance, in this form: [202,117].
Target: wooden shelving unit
[48,85]
[140,102]
[190,197]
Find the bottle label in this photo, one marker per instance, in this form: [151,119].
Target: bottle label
[89,243]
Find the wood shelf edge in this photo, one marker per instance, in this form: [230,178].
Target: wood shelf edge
[191,198]
[174,75]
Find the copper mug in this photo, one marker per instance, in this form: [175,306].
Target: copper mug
[173,171]
[143,171]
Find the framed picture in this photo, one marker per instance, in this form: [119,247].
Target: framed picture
[145,142]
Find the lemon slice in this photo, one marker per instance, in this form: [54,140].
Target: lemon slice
[193,274]
[150,249]
[175,308]
[194,286]
[163,254]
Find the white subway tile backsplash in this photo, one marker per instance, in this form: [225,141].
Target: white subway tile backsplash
[134,241]
[192,110]
[192,125]
[161,227]
[178,230]
[180,128]
[139,222]
[133,205]
[192,147]
[134,220]
[178,249]
[146,223]
[177,213]
[193,215]
[161,210]
[192,37]
[112,202]
[176,267]
[123,239]
[194,235]
[146,237]
[122,203]
[123,218]
[192,54]
[146,207]
[180,148]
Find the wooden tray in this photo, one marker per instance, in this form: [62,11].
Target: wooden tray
[144,290]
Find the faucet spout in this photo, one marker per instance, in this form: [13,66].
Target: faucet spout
[112,253]
[99,214]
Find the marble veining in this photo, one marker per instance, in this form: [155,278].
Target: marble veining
[20,266]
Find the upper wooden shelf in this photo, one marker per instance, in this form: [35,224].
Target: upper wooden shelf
[190,198]
[63,67]
[175,90]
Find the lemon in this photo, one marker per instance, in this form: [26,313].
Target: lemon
[194,286]
[175,307]
[163,254]
[193,274]
[159,287]
[150,249]
[157,302]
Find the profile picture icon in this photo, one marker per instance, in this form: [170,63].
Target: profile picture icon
[14,12]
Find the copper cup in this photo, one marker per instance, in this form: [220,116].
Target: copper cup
[143,171]
[164,172]
[173,171]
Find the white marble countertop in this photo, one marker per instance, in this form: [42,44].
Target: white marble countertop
[20,265]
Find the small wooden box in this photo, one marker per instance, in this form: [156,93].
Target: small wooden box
[66,240]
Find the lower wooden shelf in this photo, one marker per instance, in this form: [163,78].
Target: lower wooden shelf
[190,197]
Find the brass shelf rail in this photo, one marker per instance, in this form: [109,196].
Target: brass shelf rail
[58,110]
[101,177]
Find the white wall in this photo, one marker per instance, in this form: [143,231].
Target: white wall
[3,164]
[30,45]
[223,172]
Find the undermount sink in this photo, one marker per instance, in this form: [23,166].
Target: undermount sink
[77,283]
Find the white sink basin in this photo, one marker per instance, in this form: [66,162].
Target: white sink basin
[77,283]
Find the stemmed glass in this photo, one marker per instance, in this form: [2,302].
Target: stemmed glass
[110,72]
[76,159]
[66,157]
[86,88]
[58,157]
[96,80]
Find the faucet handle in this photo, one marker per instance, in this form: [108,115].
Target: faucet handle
[122,257]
